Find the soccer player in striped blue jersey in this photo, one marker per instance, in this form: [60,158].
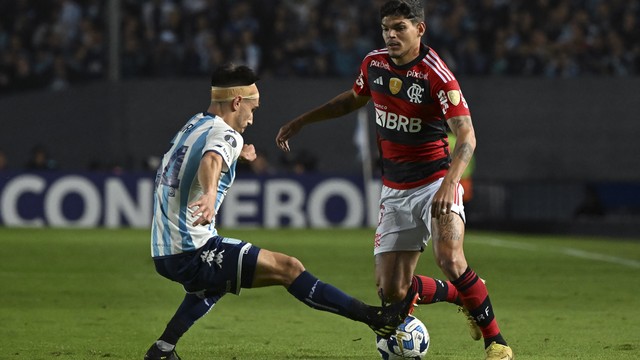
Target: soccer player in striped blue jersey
[190,185]
[414,93]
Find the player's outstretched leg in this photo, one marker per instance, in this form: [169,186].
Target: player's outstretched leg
[432,290]
[191,309]
[322,296]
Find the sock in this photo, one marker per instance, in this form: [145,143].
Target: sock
[322,296]
[433,290]
[165,346]
[475,298]
[191,309]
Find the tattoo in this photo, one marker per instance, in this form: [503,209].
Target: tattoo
[463,152]
[448,229]
[458,122]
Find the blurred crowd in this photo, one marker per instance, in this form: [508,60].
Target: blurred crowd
[56,43]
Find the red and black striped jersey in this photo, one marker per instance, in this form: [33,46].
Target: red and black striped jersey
[412,103]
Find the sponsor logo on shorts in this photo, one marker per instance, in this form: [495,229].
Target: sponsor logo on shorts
[211,256]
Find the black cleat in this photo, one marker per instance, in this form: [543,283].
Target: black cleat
[384,320]
[154,353]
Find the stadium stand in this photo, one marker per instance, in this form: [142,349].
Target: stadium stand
[55,44]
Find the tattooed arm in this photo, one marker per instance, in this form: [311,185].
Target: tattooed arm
[465,145]
[460,157]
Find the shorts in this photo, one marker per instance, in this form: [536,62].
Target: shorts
[222,265]
[405,217]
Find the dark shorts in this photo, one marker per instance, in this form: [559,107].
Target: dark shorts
[222,265]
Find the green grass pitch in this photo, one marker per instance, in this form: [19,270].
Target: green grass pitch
[94,294]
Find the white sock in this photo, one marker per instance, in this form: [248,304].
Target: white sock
[165,346]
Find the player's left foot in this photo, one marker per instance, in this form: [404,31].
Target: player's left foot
[154,353]
[497,351]
[384,320]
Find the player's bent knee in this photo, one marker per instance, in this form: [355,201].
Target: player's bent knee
[392,293]
[452,266]
[290,268]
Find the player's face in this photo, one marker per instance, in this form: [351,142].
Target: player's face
[245,114]
[402,38]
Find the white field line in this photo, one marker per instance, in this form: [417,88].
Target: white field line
[566,251]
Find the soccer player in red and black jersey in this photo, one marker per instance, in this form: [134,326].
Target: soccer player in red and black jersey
[413,94]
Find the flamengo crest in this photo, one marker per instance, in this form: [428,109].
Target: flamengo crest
[415,93]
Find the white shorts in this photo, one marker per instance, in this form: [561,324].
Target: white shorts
[404,223]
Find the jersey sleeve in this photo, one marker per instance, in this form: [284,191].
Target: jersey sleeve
[225,142]
[361,85]
[446,89]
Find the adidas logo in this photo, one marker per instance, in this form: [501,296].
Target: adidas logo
[378,81]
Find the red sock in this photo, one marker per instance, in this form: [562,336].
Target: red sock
[433,290]
[475,299]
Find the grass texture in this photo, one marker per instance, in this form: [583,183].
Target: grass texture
[94,294]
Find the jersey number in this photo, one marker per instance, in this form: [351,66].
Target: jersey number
[172,169]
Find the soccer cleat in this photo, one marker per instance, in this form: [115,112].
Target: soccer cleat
[497,351]
[474,329]
[384,320]
[154,353]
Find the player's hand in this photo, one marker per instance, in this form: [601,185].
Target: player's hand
[285,133]
[203,209]
[443,200]
[248,152]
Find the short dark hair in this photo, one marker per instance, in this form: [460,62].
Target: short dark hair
[409,9]
[230,74]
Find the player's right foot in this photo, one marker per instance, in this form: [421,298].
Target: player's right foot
[474,329]
[384,320]
[154,353]
[497,351]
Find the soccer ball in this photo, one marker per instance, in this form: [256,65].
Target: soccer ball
[411,341]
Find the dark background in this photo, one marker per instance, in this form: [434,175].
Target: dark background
[527,129]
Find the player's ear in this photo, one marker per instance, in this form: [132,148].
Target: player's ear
[422,28]
[235,103]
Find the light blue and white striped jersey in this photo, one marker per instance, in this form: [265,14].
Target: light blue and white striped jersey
[177,183]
